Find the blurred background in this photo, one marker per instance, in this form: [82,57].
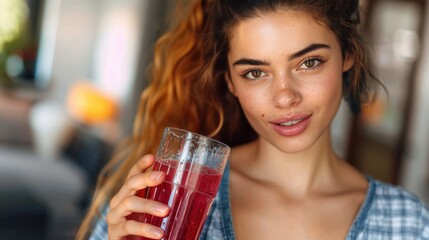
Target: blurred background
[71,72]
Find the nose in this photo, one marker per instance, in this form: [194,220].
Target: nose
[285,93]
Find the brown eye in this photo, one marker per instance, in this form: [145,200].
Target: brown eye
[310,63]
[256,73]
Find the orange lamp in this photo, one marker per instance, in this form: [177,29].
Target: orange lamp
[89,105]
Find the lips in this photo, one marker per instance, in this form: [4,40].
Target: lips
[290,123]
[291,126]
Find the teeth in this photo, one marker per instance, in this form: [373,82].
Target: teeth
[290,123]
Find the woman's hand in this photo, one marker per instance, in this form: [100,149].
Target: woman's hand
[126,202]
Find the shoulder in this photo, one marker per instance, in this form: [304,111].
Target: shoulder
[396,199]
[393,211]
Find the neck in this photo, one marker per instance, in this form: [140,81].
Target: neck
[296,174]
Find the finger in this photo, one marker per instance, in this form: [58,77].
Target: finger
[136,204]
[137,182]
[120,230]
[142,165]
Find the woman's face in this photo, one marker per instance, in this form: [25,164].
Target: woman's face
[286,69]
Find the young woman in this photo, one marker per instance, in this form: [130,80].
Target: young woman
[265,77]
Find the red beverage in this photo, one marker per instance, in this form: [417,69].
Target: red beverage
[188,193]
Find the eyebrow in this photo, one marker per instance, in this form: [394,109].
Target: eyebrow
[308,49]
[300,53]
[248,61]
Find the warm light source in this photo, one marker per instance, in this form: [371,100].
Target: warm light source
[89,105]
[13,17]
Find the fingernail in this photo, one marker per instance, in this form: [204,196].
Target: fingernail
[155,175]
[160,208]
[146,159]
[157,232]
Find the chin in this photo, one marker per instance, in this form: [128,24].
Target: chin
[292,149]
[291,146]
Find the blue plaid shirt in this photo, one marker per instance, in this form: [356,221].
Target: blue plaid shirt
[388,212]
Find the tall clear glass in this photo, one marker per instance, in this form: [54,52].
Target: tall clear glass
[194,165]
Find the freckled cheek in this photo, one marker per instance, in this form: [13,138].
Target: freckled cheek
[253,106]
[330,91]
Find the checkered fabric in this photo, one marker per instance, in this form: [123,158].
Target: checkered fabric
[388,213]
